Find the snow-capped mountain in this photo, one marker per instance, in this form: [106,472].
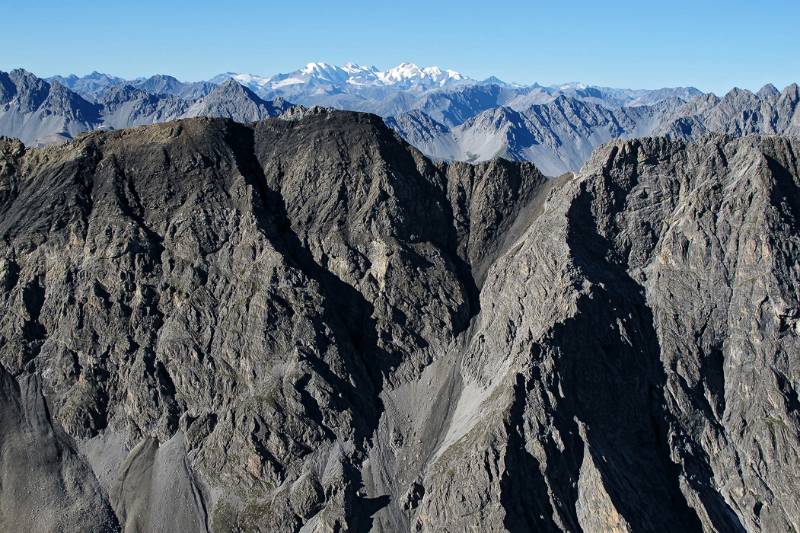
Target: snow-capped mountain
[443,113]
[350,78]
[446,95]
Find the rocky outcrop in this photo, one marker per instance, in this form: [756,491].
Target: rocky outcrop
[556,128]
[647,315]
[125,106]
[305,325]
[164,84]
[42,113]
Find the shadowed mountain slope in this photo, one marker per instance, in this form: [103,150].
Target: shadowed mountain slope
[305,325]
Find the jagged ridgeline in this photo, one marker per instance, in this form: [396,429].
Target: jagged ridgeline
[441,112]
[305,325]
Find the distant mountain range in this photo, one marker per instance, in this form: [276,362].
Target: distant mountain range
[42,112]
[408,87]
[559,135]
[441,112]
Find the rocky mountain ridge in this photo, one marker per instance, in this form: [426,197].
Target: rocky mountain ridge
[306,325]
[559,135]
[403,88]
[40,112]
[93,86]
[443,113]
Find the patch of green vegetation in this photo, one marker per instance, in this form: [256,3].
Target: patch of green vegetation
[223,518]
[775,423]
[255,513]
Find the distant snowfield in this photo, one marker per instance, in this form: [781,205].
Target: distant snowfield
[404,75]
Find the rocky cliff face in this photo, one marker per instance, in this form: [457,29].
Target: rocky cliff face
[305,325]
[234,101]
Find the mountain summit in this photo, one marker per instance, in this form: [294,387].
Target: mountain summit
[405,76]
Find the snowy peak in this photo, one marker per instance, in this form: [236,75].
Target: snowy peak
[411,74]
[325,71]
[406,76]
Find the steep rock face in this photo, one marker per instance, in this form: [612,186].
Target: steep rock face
[90,86]
[559,130]
[41,113]
[163,84]
[233,326]
[305,324]
[649,314]
[125,106]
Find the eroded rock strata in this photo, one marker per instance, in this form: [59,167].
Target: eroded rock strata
[306,325]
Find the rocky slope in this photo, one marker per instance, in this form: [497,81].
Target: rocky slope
[305,325]
[445,95]
[435,91]
[231,100]
[90,86]
[442,113]
[124,106]
[164,84]
[95,85]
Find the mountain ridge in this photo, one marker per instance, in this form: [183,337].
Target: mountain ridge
[40,112]
[445,114]
[405,76]
[307,325]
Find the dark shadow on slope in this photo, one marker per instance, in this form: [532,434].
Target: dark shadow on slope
[429,199]
[33,331]
[533,498]
[613,381]
[346,312]
[785,194]
[523,491]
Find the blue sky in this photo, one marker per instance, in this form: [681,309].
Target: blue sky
[712,45]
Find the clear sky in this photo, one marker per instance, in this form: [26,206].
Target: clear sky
[713,45]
